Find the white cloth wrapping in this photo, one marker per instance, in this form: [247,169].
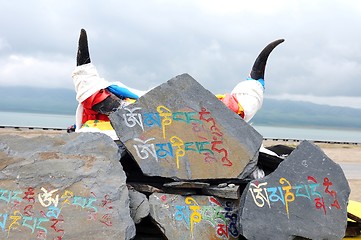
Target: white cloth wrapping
[87,82]
[249,94]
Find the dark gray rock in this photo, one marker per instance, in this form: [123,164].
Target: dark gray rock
[305,196]
[195,217]
[145,188]
[198,185]
[139,205]
[229,192]
[182,131]
[69,186]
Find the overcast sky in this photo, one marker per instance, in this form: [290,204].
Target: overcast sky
[144,43]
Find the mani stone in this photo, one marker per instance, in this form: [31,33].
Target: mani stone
[195,217]
[306,196]
[69,186]
[180,130]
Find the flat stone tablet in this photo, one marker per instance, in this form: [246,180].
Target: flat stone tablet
[181,130]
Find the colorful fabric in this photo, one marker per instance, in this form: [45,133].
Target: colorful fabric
[88,112]
[87,83]
[354,207]
[261,81]
[99,126]
[231,102]
[122,92]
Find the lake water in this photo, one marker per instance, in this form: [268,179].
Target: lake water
[17,119]
[315,134]
[37,120]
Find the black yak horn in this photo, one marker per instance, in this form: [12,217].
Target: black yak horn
[83,56]
[259,65]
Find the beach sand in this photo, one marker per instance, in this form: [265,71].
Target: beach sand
[340,153]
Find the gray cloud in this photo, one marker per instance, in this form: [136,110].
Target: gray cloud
[144,43]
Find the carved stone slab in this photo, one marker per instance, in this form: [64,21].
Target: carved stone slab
[69,186]
[195,217]
[305,196]
[181,130]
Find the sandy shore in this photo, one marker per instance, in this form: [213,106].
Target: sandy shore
[343,154]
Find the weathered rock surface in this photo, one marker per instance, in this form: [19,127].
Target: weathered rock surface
[181,130]
[69,186]
[199,185]
[195,217]
[305,196]
[229,191]
[139,205]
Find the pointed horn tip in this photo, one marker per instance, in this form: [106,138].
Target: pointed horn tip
[279,41]
[83,56]
[259,65]
[82,32]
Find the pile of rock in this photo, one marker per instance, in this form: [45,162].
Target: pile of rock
[186,174]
